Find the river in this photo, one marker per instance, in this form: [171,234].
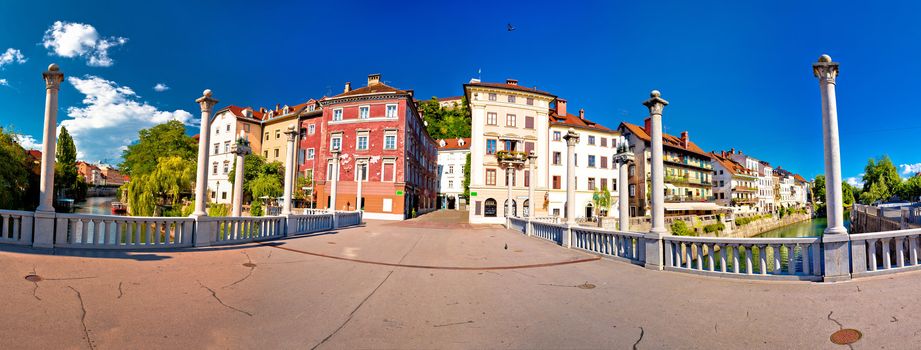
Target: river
[809,228]
[95,205]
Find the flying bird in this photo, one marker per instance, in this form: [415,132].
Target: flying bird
[510,27]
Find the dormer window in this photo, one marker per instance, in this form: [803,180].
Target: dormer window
[286,110]
[460,142]
[442,143]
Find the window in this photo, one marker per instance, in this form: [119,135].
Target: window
[217,148]
[276,153]
[527,178]
[529,122]
[214,168]
[361,171]
[361,142]
[335,143]
[301,156]
[632,190]
[613,184]
[303,133]
[530,101]
[514,179]
[391,111]
[591,184]
[528,147]
[310,153]
[632,170]
[591,161]
[508,145]
[491,118]
[556,136]
[266,135]
[246,127]
[604,184]
[277,134]
[337,114]
[390,140]
[511,120]
[226,146]
[226,167]
[557,158]
[591,140]
[556,182]
[265,153]
[490,176]
[604,142]
[363,112]
[450,169]
[450,184]
[492,96]
[511,99]
[490,146]
[388,171]
[604,162]
[311,129]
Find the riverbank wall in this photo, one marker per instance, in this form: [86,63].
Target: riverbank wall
[758,227]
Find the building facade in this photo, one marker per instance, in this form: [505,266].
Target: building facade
[765,172]
[226,126]
[596,172]
[505,117]
[452,160]
[734,185]
[382,142]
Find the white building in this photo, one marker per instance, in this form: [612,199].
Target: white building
[596,171]
[785,188]
[734,185]
[452,157]
[765,173]
[226,126]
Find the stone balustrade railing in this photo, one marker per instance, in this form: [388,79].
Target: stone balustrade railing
[311,223]
[113,232]
[885,252]
[759,258]
[16,226]
[550,219]
[348,218]
[232,230]
[628,246]
[548,231]
[518,224]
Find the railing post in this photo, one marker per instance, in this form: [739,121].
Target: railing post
[528,227]
[205,228]
[653,249]
[567,236]
[290,225]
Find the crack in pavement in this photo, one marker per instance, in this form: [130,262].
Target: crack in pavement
[86,332]
[214,294]
[451,324]
[330,336]
[35,285]
[120,293]
[840,326]
[250,273]
[642,332]
[69,278]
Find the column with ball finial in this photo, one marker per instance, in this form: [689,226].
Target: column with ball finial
[653,238]
[203,225]
[43,234]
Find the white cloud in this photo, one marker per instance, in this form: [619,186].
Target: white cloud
[12,56]
[67,39]
[855,181]
[4,82]
[110,118]
[160,87]
[910,169]
[28,142]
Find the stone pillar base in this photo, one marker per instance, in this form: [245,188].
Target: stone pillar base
[836,253]
[653,249]
[567,235]
[204,230]
[43,232]
[290,225]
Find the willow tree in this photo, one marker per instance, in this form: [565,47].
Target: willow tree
[165,186]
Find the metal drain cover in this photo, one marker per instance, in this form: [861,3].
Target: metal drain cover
[846,336]
[33,278]
[586,286]
[249,264]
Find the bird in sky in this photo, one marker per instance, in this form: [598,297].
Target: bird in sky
[510,27]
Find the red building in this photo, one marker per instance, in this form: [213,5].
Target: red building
[376,128]
[310,141]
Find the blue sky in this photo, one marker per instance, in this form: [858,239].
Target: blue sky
[737,74]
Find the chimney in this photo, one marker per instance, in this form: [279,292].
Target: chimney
[648,125]
[374,79]
[732,151]
[511,81]
[582,113]
[262,110]
[348,87]
[684,139]
[277,107]
[561,107]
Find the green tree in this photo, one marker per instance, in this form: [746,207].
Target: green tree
[467,177]
[880,180]
[265,185]
[66,178]
[818,189]
[254,167]
[446,122]
[910,189]
[602,200]
[849,193]
[164,187]
[164,140]
[18,181]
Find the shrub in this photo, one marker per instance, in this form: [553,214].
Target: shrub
[255,209]
[717,227]
[218,209]
[680,228]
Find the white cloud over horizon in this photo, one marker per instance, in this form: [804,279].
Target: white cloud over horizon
[28,142]
[10,56]
[67,39]
[160,87]
[110,118]
[910,169]
[856,181]
[4,82]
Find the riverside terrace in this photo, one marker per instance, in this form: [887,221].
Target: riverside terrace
[132,249]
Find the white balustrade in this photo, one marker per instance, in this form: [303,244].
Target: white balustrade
[757,258]
[231,230]
[113,232]
[629,246]
[16,226]
[548,231]
[348,218]
[312,223]
[550,219]
[518,224]
[885,252]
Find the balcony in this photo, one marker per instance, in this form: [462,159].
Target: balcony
[744,189]
[686,180]
[744,201]
[671,198]
[512,158]
[685,162]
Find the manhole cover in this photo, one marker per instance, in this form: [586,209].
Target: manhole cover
[33,278]
[249,264]
[845,336]
[586,286]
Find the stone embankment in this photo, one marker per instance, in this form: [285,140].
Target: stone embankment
[758,227]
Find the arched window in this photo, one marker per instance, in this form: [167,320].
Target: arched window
[526,208]
[589,210]
[514,209]
[489,208]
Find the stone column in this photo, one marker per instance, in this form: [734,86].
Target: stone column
[532,175]
[204,226]
[43,235]
[240,150]
[654,238]
[206,102]
[572,138]
[335,177]
[623,191]
[835,238]
[290,174]
[360,172]
[509,172]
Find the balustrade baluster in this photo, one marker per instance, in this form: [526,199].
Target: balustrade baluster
[900,251]
[748,259]
[700,256]
[3,229]
[887,262]
[85,230]
[816,258]
[791,259]
[913,250]
[723,251]
[735,258]
[710,249]
[776,250]
[807,263]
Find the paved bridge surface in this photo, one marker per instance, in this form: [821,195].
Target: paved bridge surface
[417,285]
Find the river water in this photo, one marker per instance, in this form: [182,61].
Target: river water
[95,205]
[809,228]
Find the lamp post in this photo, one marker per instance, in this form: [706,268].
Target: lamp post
[240,149]
[835,240]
